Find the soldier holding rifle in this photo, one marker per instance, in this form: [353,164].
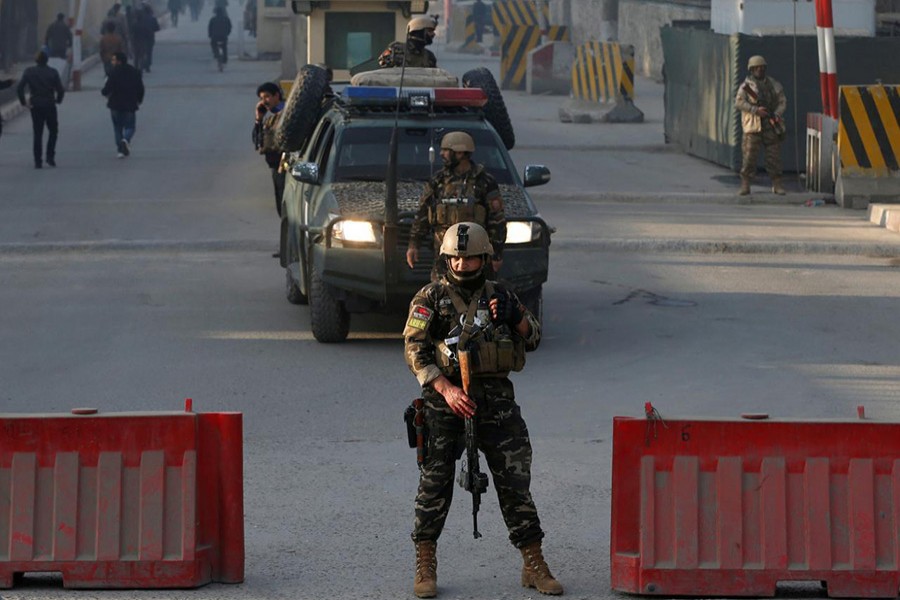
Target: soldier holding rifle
[462,322]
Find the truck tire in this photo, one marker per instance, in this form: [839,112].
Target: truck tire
[301,109]
[495,109]
[329,319]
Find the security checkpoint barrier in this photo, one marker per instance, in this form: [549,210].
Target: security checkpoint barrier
[719,507]
[515,44]
[122,500]
[520,24]
[868,145]
[603,73]
[821,131]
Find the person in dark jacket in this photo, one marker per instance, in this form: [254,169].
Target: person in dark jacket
[46,91]
[144,32]
[58,37]
[219,29]
[268,114]
[124,90]
[4,83]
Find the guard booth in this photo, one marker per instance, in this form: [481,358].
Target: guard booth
[348,33]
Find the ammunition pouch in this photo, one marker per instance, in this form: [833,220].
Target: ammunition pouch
[446,214]
[499,356]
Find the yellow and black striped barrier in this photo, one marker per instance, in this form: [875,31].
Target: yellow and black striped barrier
[507,13]
[603,72]
[557,33]
[517,42]
[869,130]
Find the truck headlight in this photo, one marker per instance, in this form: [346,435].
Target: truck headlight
[522,232]
[354,232]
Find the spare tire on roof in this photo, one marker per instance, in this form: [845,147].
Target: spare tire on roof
[495,109]
[412,77]
[301,109]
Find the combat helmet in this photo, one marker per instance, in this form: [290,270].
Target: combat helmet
[420,23]
[756,61]
[458,141]
[466,239]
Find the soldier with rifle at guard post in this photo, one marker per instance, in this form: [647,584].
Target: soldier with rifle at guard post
[463,337]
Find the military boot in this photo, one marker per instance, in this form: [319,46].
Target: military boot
[745,186]
[777,187]
[425,582]
[535,572]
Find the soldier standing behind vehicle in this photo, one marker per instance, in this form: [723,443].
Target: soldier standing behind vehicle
[496,331]
[46,91]
[462,191]
[268,112]
[762,104]
[419,33]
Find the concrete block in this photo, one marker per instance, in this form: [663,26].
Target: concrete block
[892,220]
[878,213]
[859,191]
[549,69]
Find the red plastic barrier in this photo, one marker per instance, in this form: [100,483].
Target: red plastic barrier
[705,507]
[122,500]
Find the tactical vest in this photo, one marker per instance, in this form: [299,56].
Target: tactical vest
[456,202]
[494,350]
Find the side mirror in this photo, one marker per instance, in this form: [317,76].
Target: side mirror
[536,175]
[306,172]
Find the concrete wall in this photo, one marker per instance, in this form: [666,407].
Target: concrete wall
[638,24]
[270,26]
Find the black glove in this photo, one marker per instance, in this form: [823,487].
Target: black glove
[508,310]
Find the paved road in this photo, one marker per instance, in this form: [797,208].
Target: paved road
[132,284]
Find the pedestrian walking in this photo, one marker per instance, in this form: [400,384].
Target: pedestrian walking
[4,83]
[45,92]
[762,103]
[462,191]
[58,38]
[218,30]
[481,14]
[463,313]
[144,32]
[117,17]
[268,112]
[175,7]
[124,90]
[110,43]
[196,6]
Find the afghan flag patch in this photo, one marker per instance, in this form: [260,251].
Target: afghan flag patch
[419,317]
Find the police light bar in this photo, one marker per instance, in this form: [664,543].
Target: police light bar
[459,97]
[415,98]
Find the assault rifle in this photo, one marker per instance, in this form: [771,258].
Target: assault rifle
[775,121]
[471,478]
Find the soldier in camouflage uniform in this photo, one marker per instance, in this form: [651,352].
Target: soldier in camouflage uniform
[762,104]
[463,309]
[419,33]
[462,191]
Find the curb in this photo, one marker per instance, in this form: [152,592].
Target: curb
[790,199]
[116,246]
[728,247]
[649,245]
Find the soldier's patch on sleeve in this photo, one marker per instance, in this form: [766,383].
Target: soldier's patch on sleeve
[419,317]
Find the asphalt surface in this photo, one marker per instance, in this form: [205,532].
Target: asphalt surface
[132,284]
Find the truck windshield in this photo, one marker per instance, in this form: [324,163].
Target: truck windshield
[362,154]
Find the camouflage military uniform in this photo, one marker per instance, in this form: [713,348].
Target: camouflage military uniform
[502,433]
[413,54]
[452,198]
[758,132]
